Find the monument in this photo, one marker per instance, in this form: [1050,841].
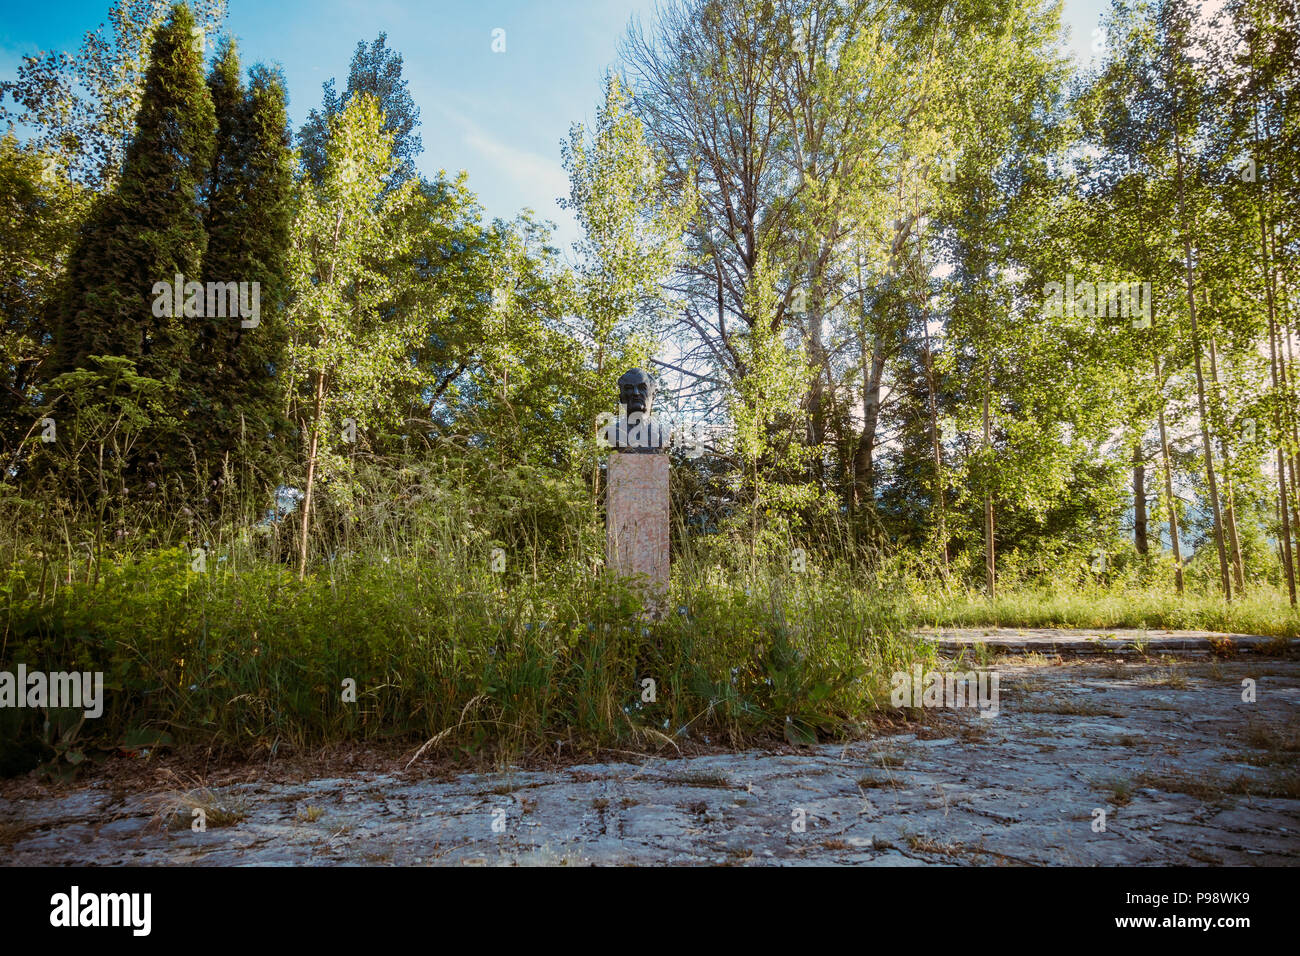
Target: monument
[636,497]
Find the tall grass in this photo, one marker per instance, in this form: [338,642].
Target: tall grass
[244,657]
[448,657]
[1263,610]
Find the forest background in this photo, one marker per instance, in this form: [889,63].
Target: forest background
[979,338]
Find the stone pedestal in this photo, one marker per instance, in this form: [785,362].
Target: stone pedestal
[636,523]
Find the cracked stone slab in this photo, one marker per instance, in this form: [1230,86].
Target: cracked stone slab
[1181,768]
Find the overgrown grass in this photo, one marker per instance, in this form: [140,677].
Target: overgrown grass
[1263,611]
[549,656]
[246,658]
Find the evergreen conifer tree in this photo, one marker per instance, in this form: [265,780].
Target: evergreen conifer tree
[147,232]
[249,210]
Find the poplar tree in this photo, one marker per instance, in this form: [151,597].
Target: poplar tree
[349,259]
[376,70]
[81,107]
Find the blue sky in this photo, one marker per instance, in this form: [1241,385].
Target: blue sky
[501,116]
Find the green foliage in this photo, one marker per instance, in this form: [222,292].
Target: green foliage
[235,370]
[147,232]
[41,209]
[83,105]
[630,240]
[108,414]
[247,658]
[350,254]
[376,71]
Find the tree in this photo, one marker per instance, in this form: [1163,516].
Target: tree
[237,366]
[1177,83]
[41,209]
[83,105]
[350,256]
[1126,184]
[812,131]
[1010,380]
[375,71]
[1257,81]
[149,230]
[631,242]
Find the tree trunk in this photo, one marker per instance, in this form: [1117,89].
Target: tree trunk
[1173,513]
[1287,555]
[1139,501]
[1206,446]
[935,444]
[989,564]
[1230,525]
[311,473]
[864,464]
[1287,367]
[1165,465]
[1277,370]
[1174,543]
[817,390]
[1230,509]
[873,365]
[1286,415]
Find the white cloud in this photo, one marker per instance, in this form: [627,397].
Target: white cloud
[523,178]
[532,174]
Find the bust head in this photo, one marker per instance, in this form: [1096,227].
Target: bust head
[636,390]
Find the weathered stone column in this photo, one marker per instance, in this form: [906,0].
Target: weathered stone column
[636,490]
[636,523]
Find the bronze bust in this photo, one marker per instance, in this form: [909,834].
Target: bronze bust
[636,390]
[635,431]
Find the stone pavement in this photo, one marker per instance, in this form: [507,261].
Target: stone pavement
[1183,770]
